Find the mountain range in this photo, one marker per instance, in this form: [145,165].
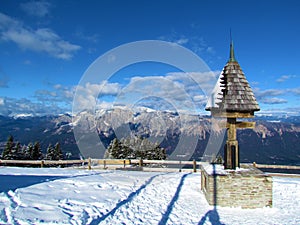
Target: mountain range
[275,140]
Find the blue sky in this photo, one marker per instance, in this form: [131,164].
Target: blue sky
[46,47]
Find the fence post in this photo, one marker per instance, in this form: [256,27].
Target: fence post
[89,164]
[141,163]
[104,164]
[42,163]
[194,166]
[180,166]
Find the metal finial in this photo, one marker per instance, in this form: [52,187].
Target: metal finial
[231,57]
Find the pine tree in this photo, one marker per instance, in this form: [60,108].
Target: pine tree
[54,153]
[23,150]
[58,152]
[113,149]
[17,152]
[50,153]
[134,147]
[8,150]
[28,152]
[36,152]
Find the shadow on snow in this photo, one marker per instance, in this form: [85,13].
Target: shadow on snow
[121,203]
[166,215]
[13,182]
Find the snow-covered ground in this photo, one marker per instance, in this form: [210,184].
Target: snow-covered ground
[73,196]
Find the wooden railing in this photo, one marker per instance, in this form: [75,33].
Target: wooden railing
[127,163]
[265,166]
[103,163]
[42,163]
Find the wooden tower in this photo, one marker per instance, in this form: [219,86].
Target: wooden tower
[233,98]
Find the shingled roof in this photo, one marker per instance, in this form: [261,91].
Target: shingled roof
[233,94]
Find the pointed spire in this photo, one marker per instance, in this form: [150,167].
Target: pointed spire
[231,57]
[233,93]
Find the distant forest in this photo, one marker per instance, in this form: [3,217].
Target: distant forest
[126,148]
[16,151]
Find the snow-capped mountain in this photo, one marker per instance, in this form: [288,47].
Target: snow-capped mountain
[274,140]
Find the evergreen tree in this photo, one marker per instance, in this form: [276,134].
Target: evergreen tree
[50,153]
[134,147]
[23,150]
[54,153]
[58,152]
[36,152]
[28,152]
[8,150]
[113,149]
[17,152]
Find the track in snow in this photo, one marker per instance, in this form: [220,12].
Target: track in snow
[152,203]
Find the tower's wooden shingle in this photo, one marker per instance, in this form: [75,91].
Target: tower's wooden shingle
[234,93]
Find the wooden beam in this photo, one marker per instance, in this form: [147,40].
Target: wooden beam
[245,125]
[238,125]
[232,114]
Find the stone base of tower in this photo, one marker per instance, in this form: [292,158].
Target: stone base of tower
[246,187]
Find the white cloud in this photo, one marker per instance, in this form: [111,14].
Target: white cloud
[57,86]
[269,96]
[280,111]
[184,91]
[39,40]
[104,88]
[269,92]
[272,101]
[46,96]
[181,41]
[175,38]
[87,96]
[285,78]
[295,91]
[104,105]
[199,80]
[200,98]
[36,8]
[13,106]
[59,99]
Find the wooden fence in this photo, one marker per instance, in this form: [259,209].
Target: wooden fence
[127,163]
[42,163]
[285,167]
[104,163]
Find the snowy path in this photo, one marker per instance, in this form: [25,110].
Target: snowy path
[65,196]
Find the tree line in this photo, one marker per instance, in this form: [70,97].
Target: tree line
[127,148]
[135,148]
[15,151]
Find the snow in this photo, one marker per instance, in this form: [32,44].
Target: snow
[219,169]
[21,115]
[78,196]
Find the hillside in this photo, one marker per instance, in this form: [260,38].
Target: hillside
[274,140]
